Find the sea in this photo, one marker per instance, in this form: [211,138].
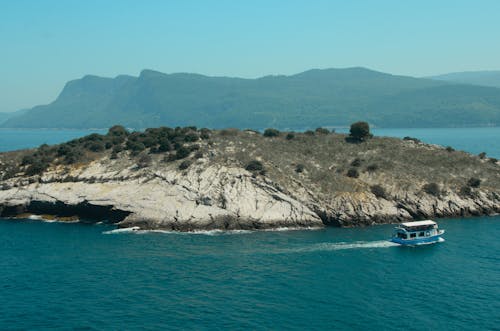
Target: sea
[77,276]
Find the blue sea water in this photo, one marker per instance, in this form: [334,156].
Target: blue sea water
[87,277]
[76,276]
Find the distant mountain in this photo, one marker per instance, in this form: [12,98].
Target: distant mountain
[484,78]
[329,97]
[4,116]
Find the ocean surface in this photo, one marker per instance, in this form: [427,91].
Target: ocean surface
[74,276]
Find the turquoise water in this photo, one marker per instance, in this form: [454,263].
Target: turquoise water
[12,139]
[75,276]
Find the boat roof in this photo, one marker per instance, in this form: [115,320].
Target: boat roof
[418,223]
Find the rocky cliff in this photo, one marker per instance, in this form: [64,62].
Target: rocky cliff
[234,179]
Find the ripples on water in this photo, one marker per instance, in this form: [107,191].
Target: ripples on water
[76,276]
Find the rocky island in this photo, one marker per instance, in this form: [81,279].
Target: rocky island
[190,179]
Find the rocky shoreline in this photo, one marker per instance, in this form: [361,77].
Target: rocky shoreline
[217,192]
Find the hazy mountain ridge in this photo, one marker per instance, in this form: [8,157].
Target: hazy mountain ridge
[483,78]
[317,97]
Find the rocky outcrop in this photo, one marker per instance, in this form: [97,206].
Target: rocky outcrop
[216,192]
[213,197]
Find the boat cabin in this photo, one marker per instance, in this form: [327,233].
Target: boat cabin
[414,230]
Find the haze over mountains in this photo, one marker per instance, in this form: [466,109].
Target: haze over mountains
[328,97]
[484,78]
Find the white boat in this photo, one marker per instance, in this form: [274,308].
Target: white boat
[417,233]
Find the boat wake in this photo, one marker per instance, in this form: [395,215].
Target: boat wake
[341,246]
[137,230]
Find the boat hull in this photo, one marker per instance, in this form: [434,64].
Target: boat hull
[417,241]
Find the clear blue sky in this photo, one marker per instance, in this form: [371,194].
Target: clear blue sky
[43,44]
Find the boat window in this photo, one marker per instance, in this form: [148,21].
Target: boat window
[413,235]
[421,234]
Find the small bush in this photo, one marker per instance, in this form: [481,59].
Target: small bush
[28,159]
[432,189]
[309,133]
[37,168]
[271,133]
[184,165]
[228,132]
[378,191]
[466,191]
[322,131]
[96,146]
[412,139]
[63,149]
[194,147]
[299,168]
[482,155]
[182,152]
[493,160]
[198,155]
[360,131]
[254,165]
[144,161]
[165,145]
[135,146]
[372,167]
[205,134]
[356,162]
[474,182]
[74,156]
[450,149]
[353,173]
[290,136]
[191,137]
[117,131]
[169,157]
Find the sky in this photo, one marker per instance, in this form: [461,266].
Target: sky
[44,44]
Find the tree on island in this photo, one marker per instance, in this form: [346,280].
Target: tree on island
[360,131]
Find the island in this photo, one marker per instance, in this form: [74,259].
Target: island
[190,179]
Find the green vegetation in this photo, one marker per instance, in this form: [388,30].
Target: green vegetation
[254,165]
[360,131]
[299,168]
[474,182]
[184,165]
[356,162]
[322,131]
[353,173]
[178,142]
[432,189]
[331,97]
[323,161]
[271,133]
[379,191]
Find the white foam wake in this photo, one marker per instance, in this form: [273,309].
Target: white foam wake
[137,230]
[342,246]
[124,230]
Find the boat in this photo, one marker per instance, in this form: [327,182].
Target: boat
[417,233]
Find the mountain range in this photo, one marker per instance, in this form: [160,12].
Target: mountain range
[484,78]
[318,97]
